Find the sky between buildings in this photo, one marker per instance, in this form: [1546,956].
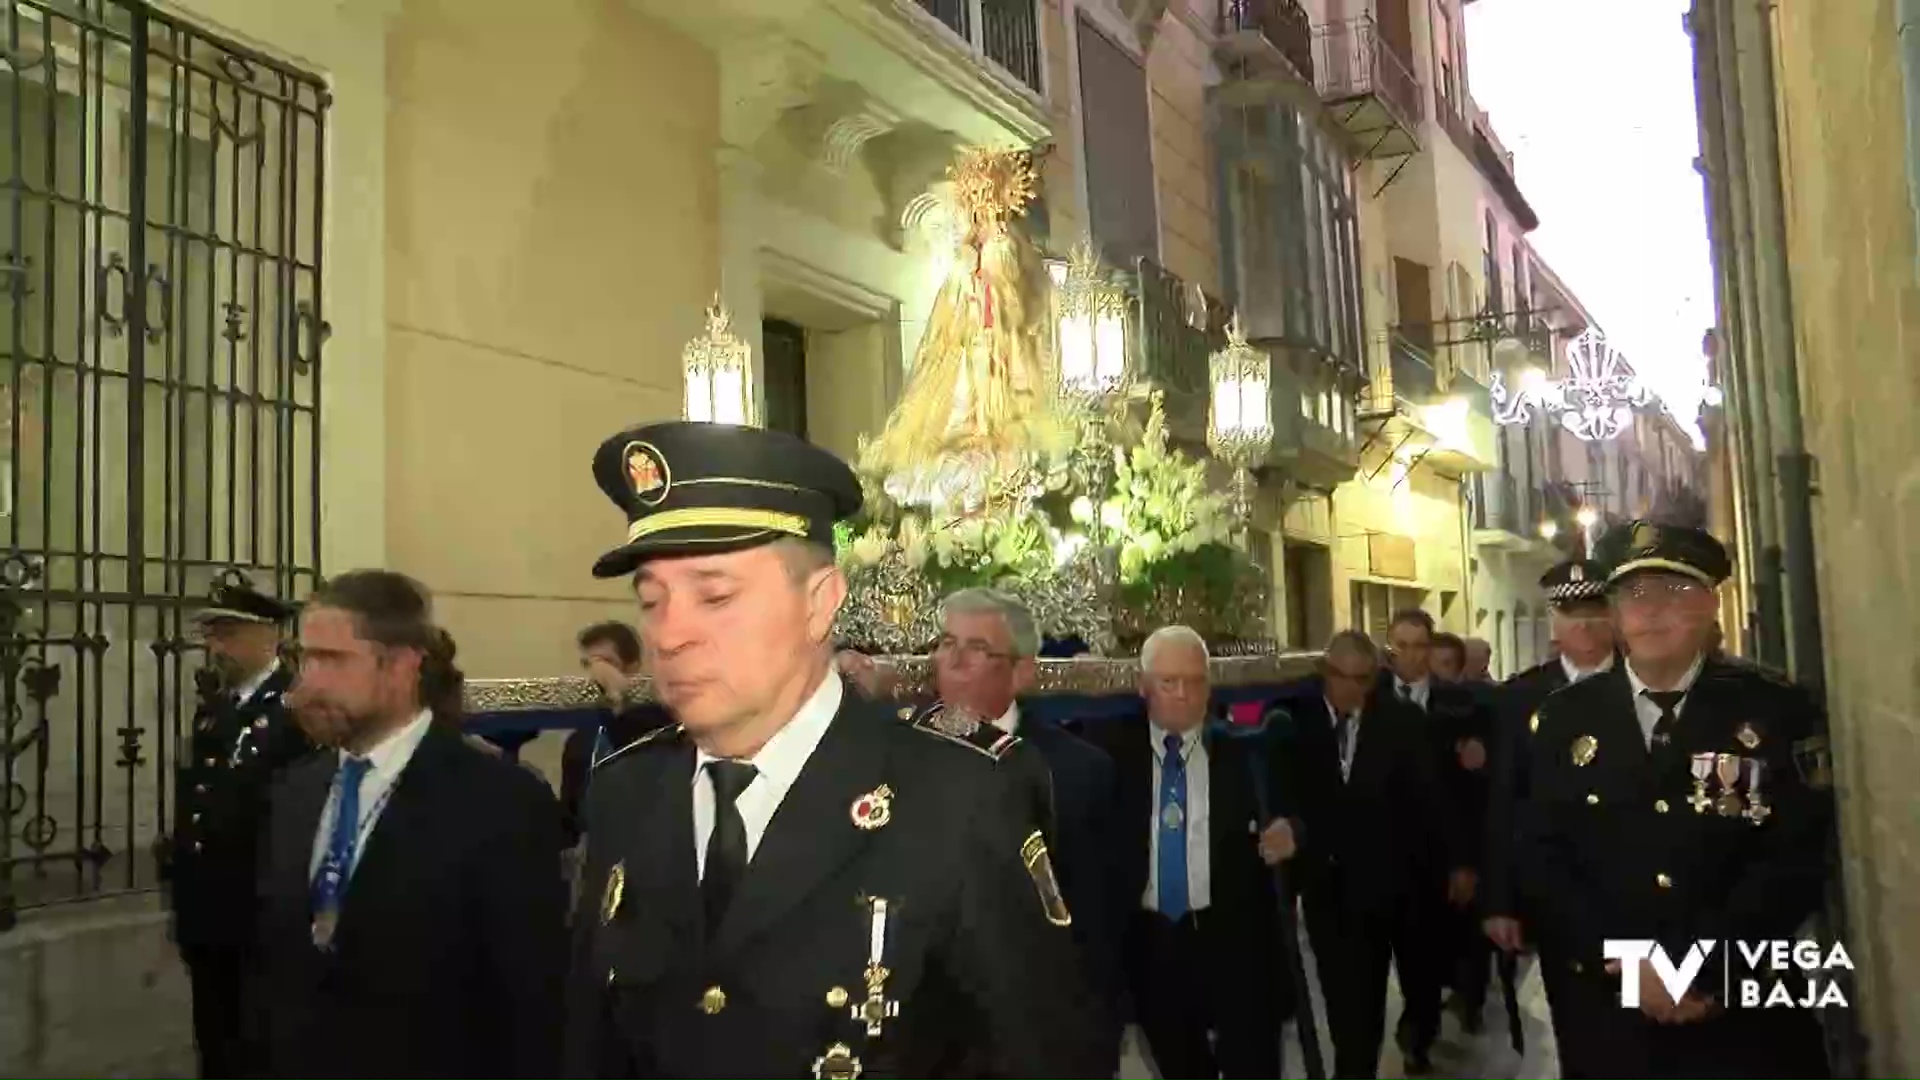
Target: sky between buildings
[1595,99]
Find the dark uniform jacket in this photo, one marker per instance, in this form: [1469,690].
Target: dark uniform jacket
[978,964]
[1613,847]
[450,955]
[576,757]
[220,806]
[1519,699]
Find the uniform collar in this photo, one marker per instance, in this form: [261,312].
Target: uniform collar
[784,755]
[1009,721]
[245,691]
[1686,681]
[1574,674]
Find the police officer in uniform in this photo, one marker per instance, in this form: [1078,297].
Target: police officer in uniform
[241,736]
[791,881]
[1665,802]
[1576,591]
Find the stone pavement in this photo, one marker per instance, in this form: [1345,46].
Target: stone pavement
[96,990]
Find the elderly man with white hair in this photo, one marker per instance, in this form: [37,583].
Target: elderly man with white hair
[983,661]
[1203,945]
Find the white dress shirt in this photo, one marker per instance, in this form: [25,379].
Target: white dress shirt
[389,759]
[1643,707]
[1009,721]
[1350,743]
[778,763]
[1415,692]
[1574,674]
[1193,752]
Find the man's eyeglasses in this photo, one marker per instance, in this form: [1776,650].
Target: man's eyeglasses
[972,649]
[1356,677]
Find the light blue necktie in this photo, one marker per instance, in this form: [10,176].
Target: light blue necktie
[330,883]
[1173,831]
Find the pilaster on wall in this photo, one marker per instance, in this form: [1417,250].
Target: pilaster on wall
[740,291]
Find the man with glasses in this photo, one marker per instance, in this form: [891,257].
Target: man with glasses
[1665,802]
[983,661]
[1203,935]
[1372,814]
[1576,591]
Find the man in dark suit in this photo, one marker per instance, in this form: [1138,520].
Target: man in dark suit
[791,880]
[1576,592]
[1457,728]
[1203,945]
[982,661]
[241,737]
[413,902]
[610,656]
[1373,816]
[1667,802]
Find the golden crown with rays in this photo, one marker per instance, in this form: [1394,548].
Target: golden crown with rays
[994,185]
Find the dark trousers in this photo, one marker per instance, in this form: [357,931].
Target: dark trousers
[1469,961]
[1422,957]
[1352,949]
[1745,1043]
[1190,979]
[218,1032]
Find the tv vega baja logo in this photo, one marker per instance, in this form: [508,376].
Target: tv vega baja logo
[1763,981]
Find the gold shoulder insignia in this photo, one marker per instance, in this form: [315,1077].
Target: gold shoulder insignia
[1533,725]
[669,733]
[964,729]
[1033,853]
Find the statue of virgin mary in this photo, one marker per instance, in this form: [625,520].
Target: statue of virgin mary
[979,403]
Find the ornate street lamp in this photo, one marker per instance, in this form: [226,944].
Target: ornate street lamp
[1092,331]
[719,372]
[1240,421]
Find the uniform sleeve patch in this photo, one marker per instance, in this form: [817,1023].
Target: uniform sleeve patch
[1033,853]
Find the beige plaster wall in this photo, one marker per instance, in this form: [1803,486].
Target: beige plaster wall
[1857,317]
[551,241]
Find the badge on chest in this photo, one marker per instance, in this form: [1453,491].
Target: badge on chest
[875,1008]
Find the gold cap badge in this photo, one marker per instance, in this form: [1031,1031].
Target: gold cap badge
[874,809]
[1584,748]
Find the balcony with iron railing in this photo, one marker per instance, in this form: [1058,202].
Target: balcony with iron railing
[1262,32]
[1006,32]
[1369,86]
[1449,413]
[862,69]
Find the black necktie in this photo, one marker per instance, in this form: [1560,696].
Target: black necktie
[1668,701]
[1342,730]
[727,846]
